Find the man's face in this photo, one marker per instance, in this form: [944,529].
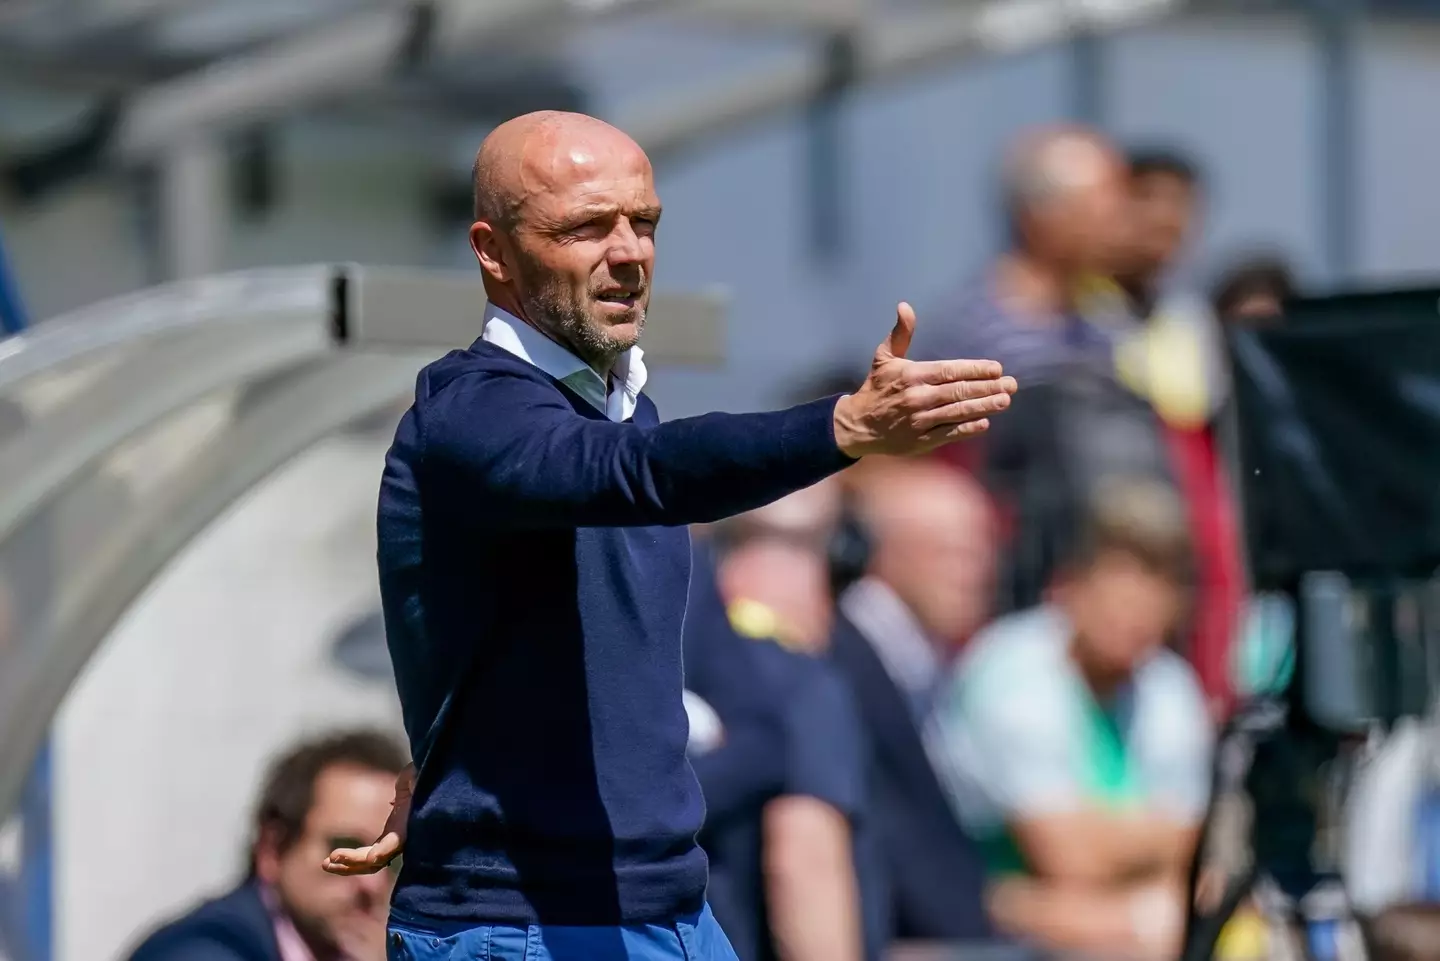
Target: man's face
[937,553]
[334,913]
[1089,228]
[1122,613]
[582,253]
[1164,209]
[786,575]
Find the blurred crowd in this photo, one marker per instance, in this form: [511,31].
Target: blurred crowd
[965,698]
[997,676]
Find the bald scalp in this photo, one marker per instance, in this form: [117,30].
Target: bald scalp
[895,492]
[1052,163]
[520,156]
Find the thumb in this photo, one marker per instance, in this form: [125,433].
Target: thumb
[897,343]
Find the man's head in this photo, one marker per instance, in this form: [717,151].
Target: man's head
[1066,197]
[1125,588]
[776,557]
[932,533]
[1254,292]
[1164,193]
[325,794]
[565,217]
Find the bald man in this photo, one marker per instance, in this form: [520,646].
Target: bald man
[928,586]
[1067,211]
[534,562]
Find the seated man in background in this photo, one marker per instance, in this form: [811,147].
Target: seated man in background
[735,741]
[1080,746]
[928,586]
[790,870]
[323,794]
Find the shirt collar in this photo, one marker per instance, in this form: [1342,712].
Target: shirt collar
[907,655]
[514,336]
[287,937]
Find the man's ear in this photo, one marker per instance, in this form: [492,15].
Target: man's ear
[490,251]
[267,855]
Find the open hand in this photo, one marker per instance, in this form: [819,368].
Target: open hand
[391,842]
[911,407]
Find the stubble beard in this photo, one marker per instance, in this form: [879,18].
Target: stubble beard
[559,314]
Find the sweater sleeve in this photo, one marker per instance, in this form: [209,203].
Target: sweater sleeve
[521,457]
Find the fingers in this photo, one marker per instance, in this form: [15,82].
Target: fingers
[929,396]
[960,413]
[957,403]
[348,862]
[897,343]
[941,436]
[953,371]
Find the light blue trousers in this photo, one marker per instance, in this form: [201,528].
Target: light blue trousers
[694,938]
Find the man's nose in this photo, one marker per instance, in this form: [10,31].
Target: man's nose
[626,246]
[375,887]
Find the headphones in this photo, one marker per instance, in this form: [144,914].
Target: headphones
[849,551]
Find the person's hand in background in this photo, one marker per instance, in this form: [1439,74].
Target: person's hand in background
[391,842]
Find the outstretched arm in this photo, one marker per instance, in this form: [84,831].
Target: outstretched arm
[534,463]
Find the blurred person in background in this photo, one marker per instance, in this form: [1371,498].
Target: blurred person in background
[772,568]
[1047,308]
[1077,746]
[928,587]
[1165,194]
[792,867]
[322,794]
[737,748]
[735,744]
[1066,203]
[1253,292]
[1175,359]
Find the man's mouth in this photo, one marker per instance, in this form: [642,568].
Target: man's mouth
[620,297]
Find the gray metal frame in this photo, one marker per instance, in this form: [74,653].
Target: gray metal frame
[886,49]
[380,306]
[350,340]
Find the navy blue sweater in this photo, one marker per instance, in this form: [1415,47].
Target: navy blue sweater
[533,569]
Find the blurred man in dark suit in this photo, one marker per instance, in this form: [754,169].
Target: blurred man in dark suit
[929,586]
[324,794]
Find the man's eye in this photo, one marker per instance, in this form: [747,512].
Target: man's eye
[591,228]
